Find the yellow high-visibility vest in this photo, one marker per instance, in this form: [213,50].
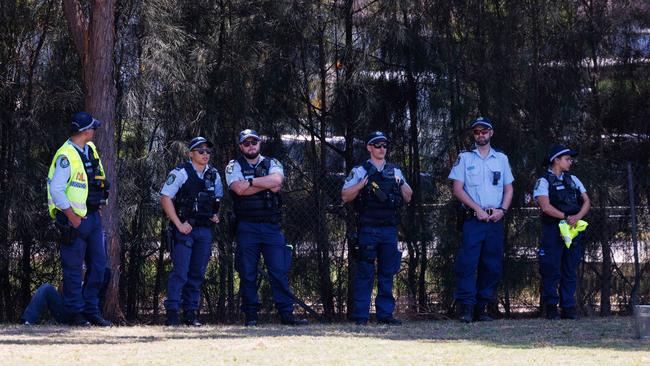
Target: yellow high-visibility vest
[77,188]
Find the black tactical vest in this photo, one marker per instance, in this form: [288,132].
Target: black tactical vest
[563,194]
[97,184]
[379,201]
[263,206]
[196,200]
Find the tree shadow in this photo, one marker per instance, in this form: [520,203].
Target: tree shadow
[615,333]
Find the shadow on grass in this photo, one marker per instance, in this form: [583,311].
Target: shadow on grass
[614,333]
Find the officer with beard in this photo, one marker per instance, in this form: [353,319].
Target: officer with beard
[482,181]
[255,182]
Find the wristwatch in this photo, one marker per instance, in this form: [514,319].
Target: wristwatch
[250,182]
[505,210]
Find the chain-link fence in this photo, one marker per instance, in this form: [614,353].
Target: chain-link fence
[316,224]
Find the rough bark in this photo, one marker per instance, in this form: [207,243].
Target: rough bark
[94,38]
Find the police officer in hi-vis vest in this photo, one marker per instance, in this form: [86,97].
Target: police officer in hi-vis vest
[190,199]
[378,189]
[561,196]
[482,181]
[76,190]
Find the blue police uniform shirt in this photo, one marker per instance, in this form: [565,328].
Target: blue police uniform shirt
[60,178]
[234,172]
[358,173]
[178,177]
[478,175]
[541,187]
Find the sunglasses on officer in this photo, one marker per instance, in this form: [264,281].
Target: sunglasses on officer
[380,145]
[203,151]
[482,132]
[248,143]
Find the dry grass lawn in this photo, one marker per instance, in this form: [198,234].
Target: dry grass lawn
[592,341]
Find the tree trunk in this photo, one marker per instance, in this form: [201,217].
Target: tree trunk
[349,140]
[94,39]
[324,264]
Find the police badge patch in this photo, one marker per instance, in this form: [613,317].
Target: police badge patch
[230,167]
[350,176]
[170,179]
[64,162]
[277,163]
[538,183]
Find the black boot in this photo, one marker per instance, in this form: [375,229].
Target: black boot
[569,313]
[465,313]
[360,321]
[79,320]
[172,319]
[289,319]
[551,312]
[482,314]
[389,321]
[97,320]
[190,319]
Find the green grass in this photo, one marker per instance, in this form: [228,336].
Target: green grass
[592,341]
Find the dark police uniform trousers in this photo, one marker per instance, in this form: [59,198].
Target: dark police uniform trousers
[479,261]
[190,256]
[381,240]
[267,239]
[87,246]
[558,265]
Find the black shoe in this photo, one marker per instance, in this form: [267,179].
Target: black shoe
[551,312]
[466,313]
[79,320]
[389,321]
[97,320]
[361,321]
[251,320]
[172,319]
[289,319]
[190,319]
[482,314]
[569,313]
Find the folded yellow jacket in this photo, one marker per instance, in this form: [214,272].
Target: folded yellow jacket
[570,232]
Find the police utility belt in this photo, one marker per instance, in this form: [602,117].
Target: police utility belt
[468,213]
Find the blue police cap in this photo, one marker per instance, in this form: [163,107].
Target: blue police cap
[559,150]
[198,141]
[248,133]
[482,121]
[82,121]
[376,136]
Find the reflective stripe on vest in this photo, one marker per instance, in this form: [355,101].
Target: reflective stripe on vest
[76,189]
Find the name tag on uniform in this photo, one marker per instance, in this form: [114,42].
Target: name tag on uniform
[470,167]
[559,188]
